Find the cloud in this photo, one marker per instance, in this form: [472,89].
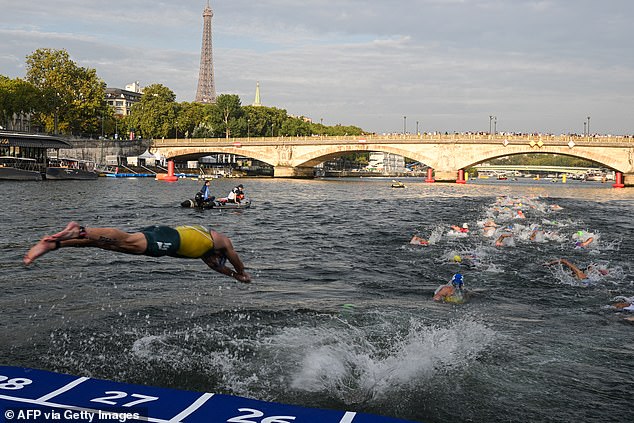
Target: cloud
[537,65]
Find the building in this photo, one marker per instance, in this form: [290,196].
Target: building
[123,100]
[386,163]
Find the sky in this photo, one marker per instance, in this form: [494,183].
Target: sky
[383,65]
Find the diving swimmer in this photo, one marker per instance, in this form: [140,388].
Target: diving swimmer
[196,241]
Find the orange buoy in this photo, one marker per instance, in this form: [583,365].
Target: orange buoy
[461,179]
[430,175]
[170,177]
[618,182]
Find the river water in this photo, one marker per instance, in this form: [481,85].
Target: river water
[339,314]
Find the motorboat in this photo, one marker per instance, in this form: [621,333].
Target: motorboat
[19,169]
[216,203]
[64,168]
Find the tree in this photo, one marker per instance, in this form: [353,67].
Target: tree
[72,96]
[155,115]
[228,114]
[17,98]
[192,115]
[293,126]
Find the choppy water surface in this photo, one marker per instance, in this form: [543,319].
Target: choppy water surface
[534,344]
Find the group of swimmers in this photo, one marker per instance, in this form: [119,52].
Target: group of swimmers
[505,222]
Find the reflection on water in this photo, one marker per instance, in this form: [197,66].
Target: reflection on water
[534,344]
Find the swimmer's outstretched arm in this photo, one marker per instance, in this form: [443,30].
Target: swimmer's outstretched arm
[223,245]
[578,273]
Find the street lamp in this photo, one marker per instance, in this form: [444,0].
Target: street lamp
[588,125]
[491,120]
[404,125]
[248,131]
[585,132]
[176,129]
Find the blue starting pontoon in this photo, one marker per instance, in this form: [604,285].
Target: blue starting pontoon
[41,396]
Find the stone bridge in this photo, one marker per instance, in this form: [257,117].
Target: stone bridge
[448,155]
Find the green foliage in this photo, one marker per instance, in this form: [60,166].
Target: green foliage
[72,97]
[543,160]
[16,97]
[155,116]
[227,116]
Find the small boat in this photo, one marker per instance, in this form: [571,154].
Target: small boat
[19,169]
[220,204]
[398,184]
[64,168]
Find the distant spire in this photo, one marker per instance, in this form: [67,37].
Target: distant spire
[257,101]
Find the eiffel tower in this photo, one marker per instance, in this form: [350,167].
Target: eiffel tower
[206,92]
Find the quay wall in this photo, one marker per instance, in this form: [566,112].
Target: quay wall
[97,150]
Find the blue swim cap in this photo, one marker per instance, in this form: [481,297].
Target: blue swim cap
[457,280]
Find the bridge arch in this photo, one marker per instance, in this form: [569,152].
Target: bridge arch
[201,152]
[596,157]
[326,153]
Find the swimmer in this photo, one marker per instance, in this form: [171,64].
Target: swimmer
[520,215]
[489,228]
[502,239]
[623,304]
[537,235]
[454,288]
[578,273]
[464,229]
[417,240]
[585,243]
[212,247]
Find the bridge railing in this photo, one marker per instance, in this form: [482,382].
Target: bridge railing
[407,138]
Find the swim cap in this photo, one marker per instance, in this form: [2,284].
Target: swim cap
[457,258]
[456,280]
[580,233]
[464,225]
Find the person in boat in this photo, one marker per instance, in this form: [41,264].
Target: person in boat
[204,195]
[576,271]
[236,195]
[196,241]
[453,291]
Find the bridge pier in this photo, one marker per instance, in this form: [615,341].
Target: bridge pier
[628,179]
[293,172]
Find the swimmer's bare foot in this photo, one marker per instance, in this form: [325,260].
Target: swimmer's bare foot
[71,231]
[38,250]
